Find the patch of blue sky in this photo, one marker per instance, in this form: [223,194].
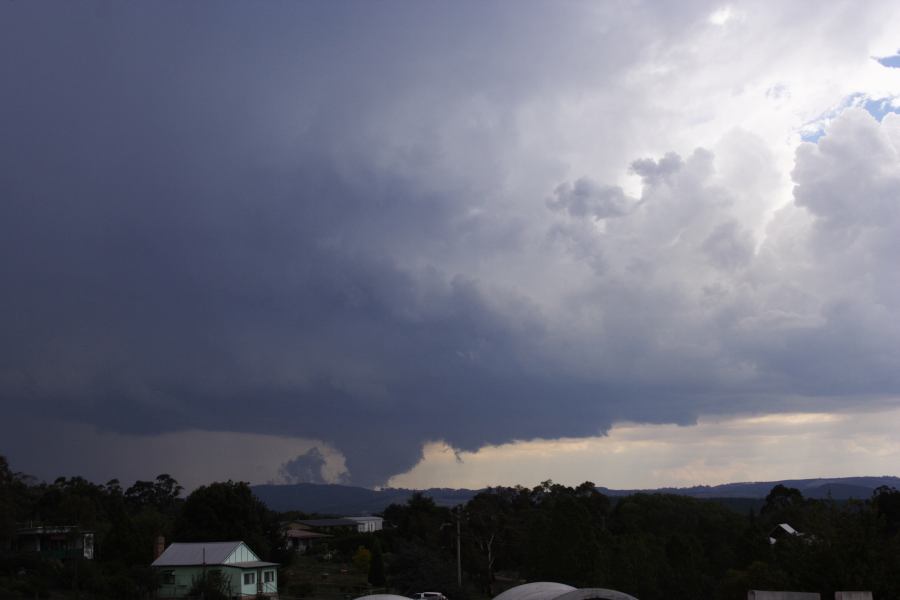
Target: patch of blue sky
[892,62]
[813,130]
[879,107]
[812,136]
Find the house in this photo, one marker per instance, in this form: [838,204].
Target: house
[302,535]
[240,569]
[328,525]
[59,541]
[782,530]
[301,540]
[368,524]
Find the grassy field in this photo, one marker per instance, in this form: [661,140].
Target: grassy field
[311,578]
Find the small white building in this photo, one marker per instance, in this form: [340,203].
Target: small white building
[782,530]
[233,563]
[368,524]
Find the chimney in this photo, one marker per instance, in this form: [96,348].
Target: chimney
[159,546]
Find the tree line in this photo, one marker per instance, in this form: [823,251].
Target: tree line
[652,546]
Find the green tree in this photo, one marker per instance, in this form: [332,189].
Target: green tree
[563,541]
[227,511]
[162,493]
[886,501]
[13,498]
[784,505]
[376,565]
[419,519]
[362,559]
[491,530]
[211,585]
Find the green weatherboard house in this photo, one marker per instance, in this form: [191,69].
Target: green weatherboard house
[233,563]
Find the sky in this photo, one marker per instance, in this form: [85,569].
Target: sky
[451,244]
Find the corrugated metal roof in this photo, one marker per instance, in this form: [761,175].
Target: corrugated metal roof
[329,522]
[595,594]
[182,554]
[302,534]
[538,590]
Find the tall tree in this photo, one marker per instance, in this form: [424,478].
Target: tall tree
[376,566]
[227,511]
[13,498]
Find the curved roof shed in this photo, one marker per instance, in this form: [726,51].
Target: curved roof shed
[538,590]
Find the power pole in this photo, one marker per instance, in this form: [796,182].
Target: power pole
[458,549]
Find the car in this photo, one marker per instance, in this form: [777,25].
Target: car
[429,596]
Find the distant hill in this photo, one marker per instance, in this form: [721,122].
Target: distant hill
[838,488]
[348,500]
[329,499]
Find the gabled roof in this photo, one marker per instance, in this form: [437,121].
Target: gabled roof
[210,553]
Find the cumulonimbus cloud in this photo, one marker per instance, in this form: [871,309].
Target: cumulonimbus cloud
[353,242]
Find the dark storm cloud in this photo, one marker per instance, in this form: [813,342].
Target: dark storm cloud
[297,218]
[212,222]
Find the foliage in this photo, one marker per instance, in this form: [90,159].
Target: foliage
[376,566]
[13,498]
[227,511]
[362,559]
[653,546]
[211,585]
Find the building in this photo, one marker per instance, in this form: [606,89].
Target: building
[327,525]
[299,539]
[548,590]
[368,524]
[239,569]
[780,531]
[60,541]
[302,535]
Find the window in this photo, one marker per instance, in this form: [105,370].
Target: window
[249,578]
[268,576]
[168,577]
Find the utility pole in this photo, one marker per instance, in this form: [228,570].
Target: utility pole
[458,548]
[458,518]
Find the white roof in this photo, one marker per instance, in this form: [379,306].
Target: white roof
[210,553]
[539,590]
[382,597]
[788,528]
[595,594]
